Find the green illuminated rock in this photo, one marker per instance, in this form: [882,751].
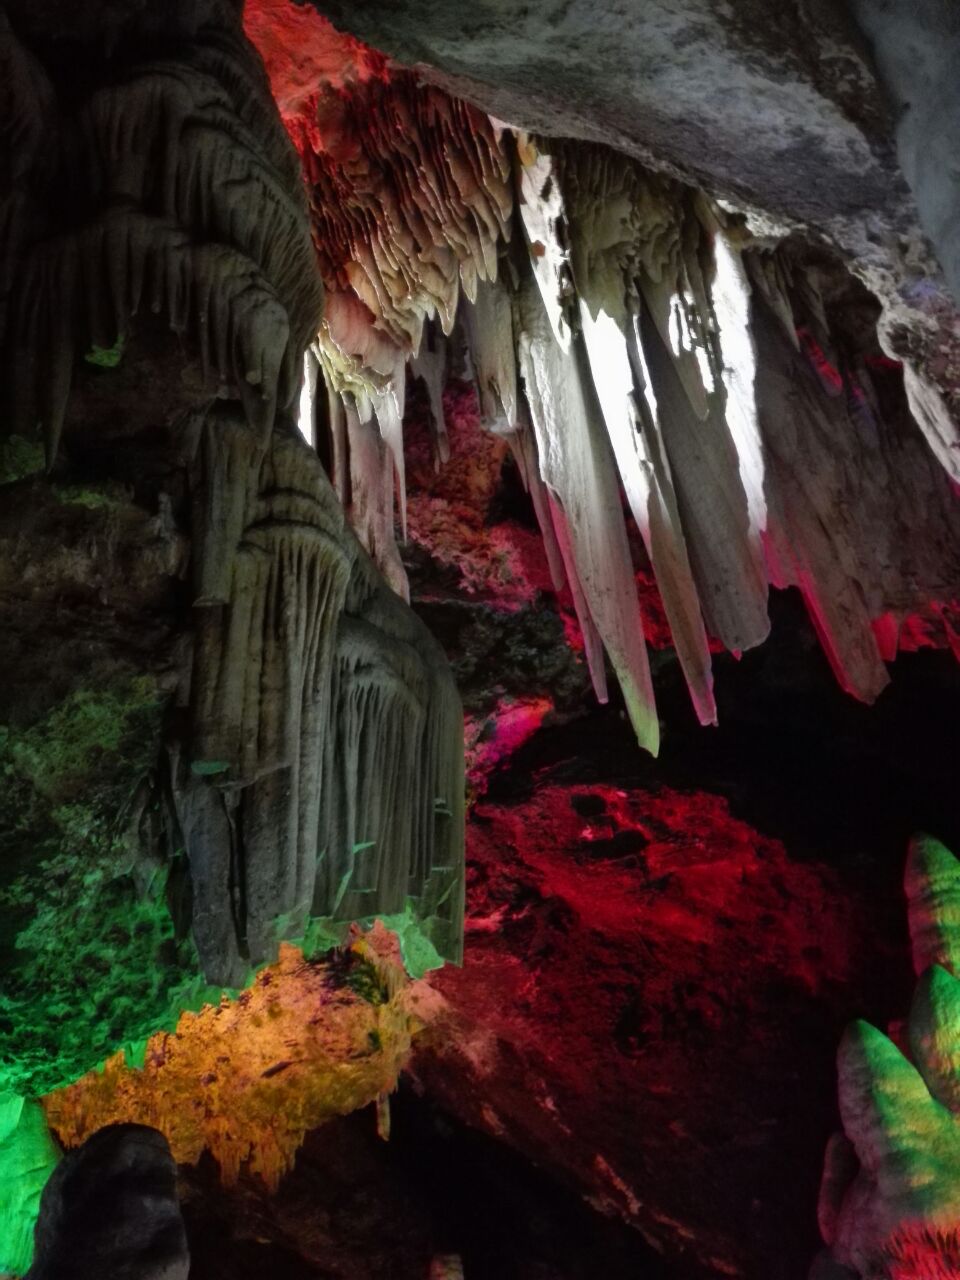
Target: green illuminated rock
[28,1156]
[932,885]
[890,1196]
[89,951]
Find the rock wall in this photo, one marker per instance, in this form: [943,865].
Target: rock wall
[250,734]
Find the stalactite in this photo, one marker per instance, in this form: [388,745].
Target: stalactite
[191,210]
[859,513]
[542,213]
[684,362]
[307,407]
[392,830]
[372,497]
[28,143]
[614,222]
[703,349]
[488,328]
[523,446]
[575,463]
[410,193]
[635,236]
[430,366]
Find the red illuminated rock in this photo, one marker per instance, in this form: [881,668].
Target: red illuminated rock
[646,1008]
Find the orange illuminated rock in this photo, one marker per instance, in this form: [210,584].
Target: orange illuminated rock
[247,1079]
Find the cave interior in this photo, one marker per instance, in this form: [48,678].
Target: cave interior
[480,602]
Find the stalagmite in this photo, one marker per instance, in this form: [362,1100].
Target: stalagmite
[934,1038]
[890,1200]
[932,885]
[908,1146]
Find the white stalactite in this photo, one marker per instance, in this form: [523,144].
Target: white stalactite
[707,360]
[577,467]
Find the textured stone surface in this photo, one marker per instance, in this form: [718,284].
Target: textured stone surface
[646,1010]
[649,979]
[111,1209]
[890,1195]
[28,1156]
[687,82]
[734,388]
[776,110]
[917,49]
[246,1079]
[162,781]
[357,1208]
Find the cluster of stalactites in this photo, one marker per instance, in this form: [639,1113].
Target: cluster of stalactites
[323,776]
[619,347]
[171,190]
[637,340]
[733,381]
[890,1196]
[411,196]
[410,191]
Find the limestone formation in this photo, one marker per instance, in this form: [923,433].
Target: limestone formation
[323,774]
[410,195]
[111,1209]
[247,1079]
[647,339]
[782,113]
[916,47]
[187,204]
[672,247]
[28,1156]
[268,745]
[889,1204]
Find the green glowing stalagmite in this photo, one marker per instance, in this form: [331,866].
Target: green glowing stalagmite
[28,1156]
[890,1198]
